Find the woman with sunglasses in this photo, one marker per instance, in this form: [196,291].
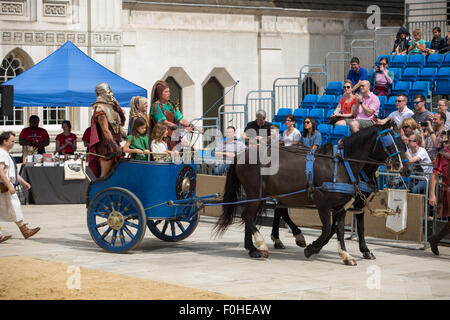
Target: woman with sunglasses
[347,105]
[291,135]
[382,79]
[311,137]
[407,128]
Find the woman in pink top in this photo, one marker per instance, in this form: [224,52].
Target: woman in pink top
[347,104]
[382,79]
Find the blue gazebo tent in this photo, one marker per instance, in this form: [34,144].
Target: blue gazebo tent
[68,77]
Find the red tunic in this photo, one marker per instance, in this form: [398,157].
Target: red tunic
[441,166]
[63,139]
[38,134]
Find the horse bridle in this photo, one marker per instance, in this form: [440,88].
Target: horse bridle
[386,139]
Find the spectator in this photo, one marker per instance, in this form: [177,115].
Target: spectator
[437,43]
[138,108]
[311,137]
[442,106]
[33,136]
[447,46]
[382,79]
[368,107]
[357,74]
[159,138]
[441,168]
[409,127]
[10,209]
[274,132]
[226,150]
[66,142]
[402,113]
[417,45]
[401,43]
[258,129]
[421,162]
[86,137]
[137,144]
[421,114]
[435,129]
[291,135]
[347,105]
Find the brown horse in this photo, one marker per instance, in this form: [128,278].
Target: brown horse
[375,142]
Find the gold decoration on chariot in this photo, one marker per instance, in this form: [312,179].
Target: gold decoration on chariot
[116,220]
[186,185]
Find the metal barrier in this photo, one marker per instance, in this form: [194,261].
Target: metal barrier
[311,81]
[384,39]
[368,55]
[232,115]
[256,100]
[285,93]
[337,68]
[393,180]
[427,15]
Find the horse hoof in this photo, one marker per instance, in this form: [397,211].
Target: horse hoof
[279,245]
[308,251]
[300,240]
[263,253]
[350,262]
[368,256]
[254,254]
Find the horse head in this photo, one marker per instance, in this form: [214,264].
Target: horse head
[390,148]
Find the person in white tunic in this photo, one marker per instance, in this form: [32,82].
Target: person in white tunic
[10,209]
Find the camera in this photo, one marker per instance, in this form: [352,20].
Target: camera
[424,124]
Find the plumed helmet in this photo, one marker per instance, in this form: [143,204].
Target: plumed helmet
[103,90]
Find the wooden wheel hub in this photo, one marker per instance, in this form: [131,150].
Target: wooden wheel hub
[116,220]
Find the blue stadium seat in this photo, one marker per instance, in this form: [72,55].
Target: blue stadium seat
[383,100]
[336,100]
[281,114]
[419,87]
[335,88]
[428,44]
[428,74]
[318,115]
[443,73]
[325,130]
[401,87]
[339,132]
[299,126]
[442,87]
[389,58]
[328,114]
[300,114]
[434,61]
[397,74]
[325,102]
[410,74]
[446,62]
[399,61]
[389,106]
[416,61]
[310,101]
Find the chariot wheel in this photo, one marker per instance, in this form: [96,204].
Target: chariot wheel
[173,230]
[116,220]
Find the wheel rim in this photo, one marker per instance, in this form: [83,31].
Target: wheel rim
[116,220]
[175,229]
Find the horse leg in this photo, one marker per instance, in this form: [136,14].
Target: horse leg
[361,239]
[346,257]
[249,217]
[298,235]
[275,236]
[324,213]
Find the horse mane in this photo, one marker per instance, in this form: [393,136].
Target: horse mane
[356,141]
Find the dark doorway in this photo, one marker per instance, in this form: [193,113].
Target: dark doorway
[212,91]
[175,92]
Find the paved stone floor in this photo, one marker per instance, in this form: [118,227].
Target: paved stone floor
[223,265]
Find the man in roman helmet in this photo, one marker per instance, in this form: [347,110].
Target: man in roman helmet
[106,131]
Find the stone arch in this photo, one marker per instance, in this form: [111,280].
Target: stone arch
[186,86]
[14,63]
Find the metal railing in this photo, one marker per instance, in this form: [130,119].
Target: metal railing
[286,93]
[337,65]
[232,115]
[259,99]
[366,51]
[312,80]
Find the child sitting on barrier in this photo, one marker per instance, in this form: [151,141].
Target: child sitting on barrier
[159,140]
[138,141]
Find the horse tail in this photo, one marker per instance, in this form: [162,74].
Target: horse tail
[232,187]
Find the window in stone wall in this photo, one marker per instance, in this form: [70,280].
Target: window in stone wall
[54,115]
[11,67]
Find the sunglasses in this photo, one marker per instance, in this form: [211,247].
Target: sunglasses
[398,100]
[347,87]
[412,140]
[287,120]
[306,122]
[405,127]
[417,102]
[382,64]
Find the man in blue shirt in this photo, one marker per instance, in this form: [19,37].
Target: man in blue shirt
[357,74]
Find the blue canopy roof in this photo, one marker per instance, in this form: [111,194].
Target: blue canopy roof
[68,77]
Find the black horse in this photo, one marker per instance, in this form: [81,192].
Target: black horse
[367,143]
[369,170]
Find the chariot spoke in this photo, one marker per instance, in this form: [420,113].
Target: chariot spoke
[157,222]
[180,225]
[105,234]
[131,224]
[103,224]
[172,227]
[114,237]
[101,214]
[129,233]
[166,223]
[122,238]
